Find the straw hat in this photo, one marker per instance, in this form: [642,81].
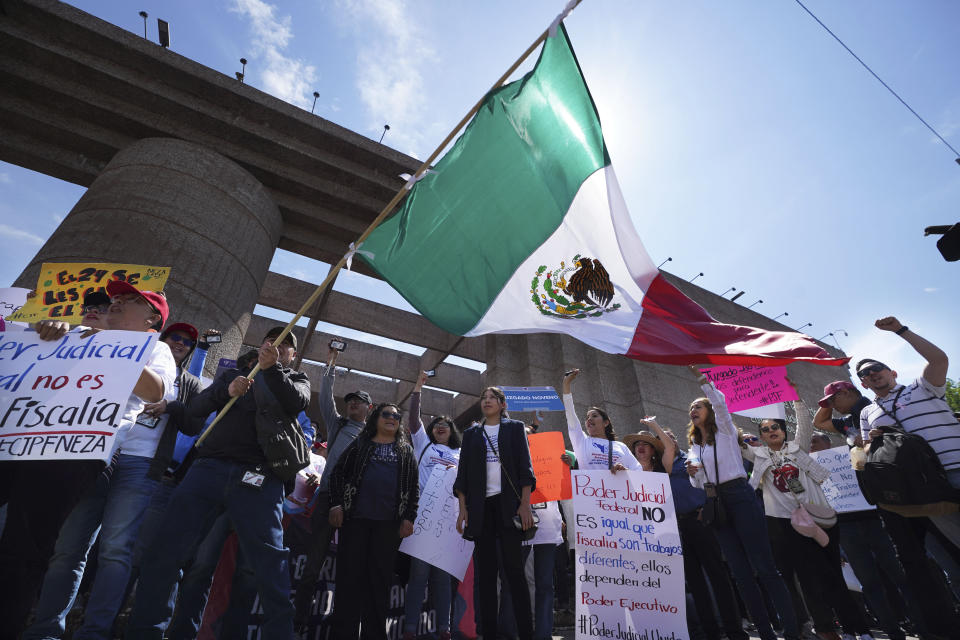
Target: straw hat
[644,436]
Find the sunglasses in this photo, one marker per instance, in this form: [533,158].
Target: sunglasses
[874,368]
[750,439]
[775,427]
[187,342]
[390,414]
[99,308]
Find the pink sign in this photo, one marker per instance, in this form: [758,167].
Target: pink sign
[747,387]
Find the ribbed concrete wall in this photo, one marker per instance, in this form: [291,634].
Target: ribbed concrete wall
[166,202]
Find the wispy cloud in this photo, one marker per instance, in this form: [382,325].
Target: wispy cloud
[5,178]
[883,346]
[283,76]
[20,235]
[391,49]
[930,289]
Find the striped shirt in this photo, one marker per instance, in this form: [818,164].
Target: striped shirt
[921,408]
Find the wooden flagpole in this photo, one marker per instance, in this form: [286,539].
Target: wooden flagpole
[332,273]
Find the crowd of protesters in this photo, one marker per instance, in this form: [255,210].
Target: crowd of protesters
[763,551]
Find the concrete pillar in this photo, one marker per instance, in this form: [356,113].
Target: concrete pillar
[606,380]
[166,202]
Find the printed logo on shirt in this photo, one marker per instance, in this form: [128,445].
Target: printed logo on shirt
[495,439]
[783,474]
[602,448]
[443,456]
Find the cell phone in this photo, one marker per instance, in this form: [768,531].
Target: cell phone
[338,345]
[569,372]
[431,373]
[213,338]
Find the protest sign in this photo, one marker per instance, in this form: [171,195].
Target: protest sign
[629,566]
[62,286]
[11,299]
[553,475]
[841,488]
[532,399]
[64,399]
[746,387]
[435,539]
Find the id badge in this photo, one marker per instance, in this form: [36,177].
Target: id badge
[794,485]
[252,479]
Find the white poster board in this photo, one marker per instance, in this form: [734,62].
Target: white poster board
[64,399]
[629,565]
[435,539]
[11,299]
[841,488]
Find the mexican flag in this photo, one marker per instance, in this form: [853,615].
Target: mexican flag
[521,228]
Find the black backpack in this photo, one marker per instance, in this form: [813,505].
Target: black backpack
[903,469]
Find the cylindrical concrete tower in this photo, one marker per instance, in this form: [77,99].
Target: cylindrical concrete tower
[166,202]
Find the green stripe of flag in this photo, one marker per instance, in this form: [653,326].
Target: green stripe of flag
[496,196]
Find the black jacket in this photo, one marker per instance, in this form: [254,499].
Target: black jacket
[348,474]
[176,421]
[472,472]
[235,436]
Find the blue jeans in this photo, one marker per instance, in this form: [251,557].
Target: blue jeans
[869,550]
[213,486]
[440,588]
[113,508]
[543,564]
[746,547]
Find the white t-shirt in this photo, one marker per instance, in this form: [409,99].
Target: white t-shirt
[493,460]
[431,454]
[729,455]
[921,408]
[550,529]
[594,453]
[137,440]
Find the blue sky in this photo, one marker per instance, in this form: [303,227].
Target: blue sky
[749,144]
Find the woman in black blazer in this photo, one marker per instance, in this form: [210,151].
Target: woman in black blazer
[494,481]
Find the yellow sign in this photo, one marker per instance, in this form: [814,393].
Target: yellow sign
[63,285]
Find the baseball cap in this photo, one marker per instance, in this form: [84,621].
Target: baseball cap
[188,329]
[833,388]
[273,333]
[363,395]
[156,300]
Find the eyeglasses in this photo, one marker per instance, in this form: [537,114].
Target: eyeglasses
[132,297]
[390,414]
[750,439]
[874,368]
[99,308]
[185,341]
[775,427]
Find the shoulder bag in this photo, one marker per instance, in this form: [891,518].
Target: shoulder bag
[713,514]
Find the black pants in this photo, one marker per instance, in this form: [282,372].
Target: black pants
[40,494]
[320,533]
[365,559]
[486,563]
[821,578]
[936,602]
[701,552]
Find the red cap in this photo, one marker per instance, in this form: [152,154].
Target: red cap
[188,329]
[159,302]
[833,388]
